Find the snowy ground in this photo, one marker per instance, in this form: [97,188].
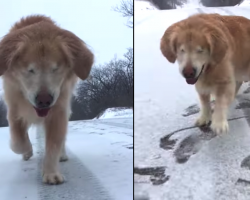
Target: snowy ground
[100,165]
[173,159]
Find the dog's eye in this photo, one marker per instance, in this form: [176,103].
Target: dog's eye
[182,51]
[199,50]
[31,71]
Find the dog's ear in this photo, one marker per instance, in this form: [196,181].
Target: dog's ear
[168,43]
[79,57]
[218,45]
[10,48]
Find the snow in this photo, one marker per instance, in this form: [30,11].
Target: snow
[245,3]
[112,161]
[100,164]
[198,165]
[116,113]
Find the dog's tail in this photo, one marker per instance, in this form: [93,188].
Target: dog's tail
[29,20]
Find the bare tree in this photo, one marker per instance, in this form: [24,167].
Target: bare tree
[126,8]
[79,111]
[220,3]
[111,85]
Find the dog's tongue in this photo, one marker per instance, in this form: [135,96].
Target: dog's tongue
[42,112]
[191,81]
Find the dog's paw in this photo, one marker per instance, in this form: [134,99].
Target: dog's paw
[27,156]
[19,147]
[53,178]
[63,158]
[220,127]
[203,120]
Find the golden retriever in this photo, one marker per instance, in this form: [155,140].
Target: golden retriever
[213,52]
[40,63]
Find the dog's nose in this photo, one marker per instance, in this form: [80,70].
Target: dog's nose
[189,72]
[43,100]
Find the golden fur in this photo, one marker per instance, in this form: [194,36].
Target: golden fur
[218,47]
[37,56]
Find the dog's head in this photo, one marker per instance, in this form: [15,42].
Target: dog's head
[196,45]
[41,58]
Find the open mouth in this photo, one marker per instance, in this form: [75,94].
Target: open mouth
[42,112]
[192,81]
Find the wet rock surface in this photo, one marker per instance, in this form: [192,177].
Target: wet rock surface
[191,110]
[243,104]
[192,144]
[150,170]
[194,109]
[157,174]
[167,143]
[188,146]
[186,149]
[243,181]
[247,91]
[246,163]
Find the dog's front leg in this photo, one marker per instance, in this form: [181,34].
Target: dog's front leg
[63,156]
[205,113]
[55,128]
[20,142]
[224,96]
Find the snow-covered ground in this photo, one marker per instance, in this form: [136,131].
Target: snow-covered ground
[116,113]
[100,165]
[173,159]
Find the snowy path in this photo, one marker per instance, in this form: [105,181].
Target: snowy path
[100,164]
[173,159]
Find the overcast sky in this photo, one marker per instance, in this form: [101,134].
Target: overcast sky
[93,21]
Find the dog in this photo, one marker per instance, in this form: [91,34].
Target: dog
[40,64]
[213,53]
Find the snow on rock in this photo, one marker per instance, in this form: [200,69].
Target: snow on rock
[245,3]
[145,5]
[116,113]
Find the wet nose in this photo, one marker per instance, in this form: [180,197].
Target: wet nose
[189,72]
[43,100]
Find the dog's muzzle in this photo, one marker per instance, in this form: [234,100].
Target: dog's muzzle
[190,75]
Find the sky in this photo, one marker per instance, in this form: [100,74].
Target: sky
[94,21]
